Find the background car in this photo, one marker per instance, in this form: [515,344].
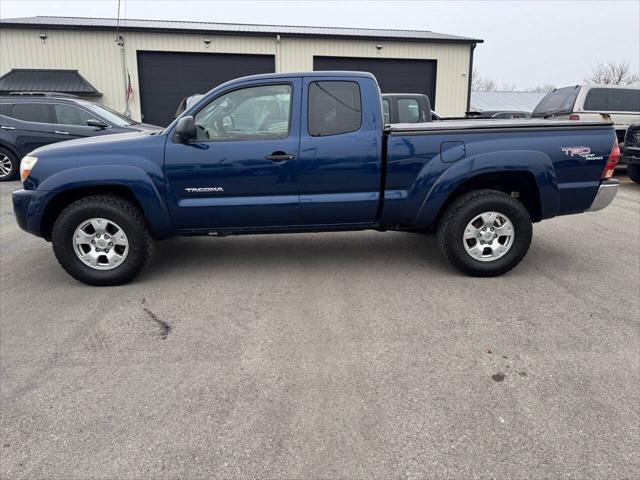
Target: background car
[31,121]
[589,102]
[406,108]
[631,152]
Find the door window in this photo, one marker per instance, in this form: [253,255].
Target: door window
[335,107]
[70,115]
[253,113]
[31,112]
[408,110]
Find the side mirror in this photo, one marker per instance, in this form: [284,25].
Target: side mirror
[94,122]
[186,128]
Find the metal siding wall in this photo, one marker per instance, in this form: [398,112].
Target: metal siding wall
[97,57]
[452,69]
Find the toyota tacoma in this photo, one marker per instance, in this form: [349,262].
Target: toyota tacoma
[309,152]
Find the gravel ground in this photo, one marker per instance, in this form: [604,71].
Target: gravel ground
[342,355]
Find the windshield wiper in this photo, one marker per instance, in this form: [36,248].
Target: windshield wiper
[553,112]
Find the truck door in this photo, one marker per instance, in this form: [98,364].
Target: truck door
[242,169]
[340,151]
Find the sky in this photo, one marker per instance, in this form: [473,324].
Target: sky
[526,43]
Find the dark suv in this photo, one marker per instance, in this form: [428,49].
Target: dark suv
[631,152]
[29,121]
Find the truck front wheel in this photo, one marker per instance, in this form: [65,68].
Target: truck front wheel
[102,240]
[485,233]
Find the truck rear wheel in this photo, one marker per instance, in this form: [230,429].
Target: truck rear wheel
[485,233]
[634,172]
[102,240]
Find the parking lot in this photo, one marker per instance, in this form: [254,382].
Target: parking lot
[343,355]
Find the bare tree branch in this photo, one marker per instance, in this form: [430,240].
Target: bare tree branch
[479,84]
[547,87]
[612,73]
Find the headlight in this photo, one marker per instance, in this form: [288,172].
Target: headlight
[26,165]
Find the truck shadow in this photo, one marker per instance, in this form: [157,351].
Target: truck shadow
[374,250]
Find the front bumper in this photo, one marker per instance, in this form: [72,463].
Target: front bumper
[27,206]
[630,155]
[606,193]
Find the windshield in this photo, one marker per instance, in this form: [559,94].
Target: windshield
[109,115]
[560,100]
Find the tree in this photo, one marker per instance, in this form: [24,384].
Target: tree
[612,73]
[546,88]
[508,87]
[479,84]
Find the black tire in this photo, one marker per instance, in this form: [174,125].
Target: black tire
[462,211]
[124,213]
[634,172]
[7,156]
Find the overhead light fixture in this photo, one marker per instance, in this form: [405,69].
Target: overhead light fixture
[43,37]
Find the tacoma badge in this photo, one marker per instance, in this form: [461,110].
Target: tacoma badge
[204,189]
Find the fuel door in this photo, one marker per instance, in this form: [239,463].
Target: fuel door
[452,151]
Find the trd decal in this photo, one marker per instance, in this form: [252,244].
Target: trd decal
[584,152]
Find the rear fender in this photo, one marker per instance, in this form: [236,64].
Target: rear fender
[136,180]
[535,162]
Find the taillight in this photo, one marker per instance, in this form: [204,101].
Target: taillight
[574,116]
[614,156]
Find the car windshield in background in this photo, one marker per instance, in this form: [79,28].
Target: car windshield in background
[107,114]
[558,101]
[613,100]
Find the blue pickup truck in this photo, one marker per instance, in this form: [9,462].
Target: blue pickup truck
[303,152]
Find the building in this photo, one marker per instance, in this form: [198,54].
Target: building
[505,101]
[165,61]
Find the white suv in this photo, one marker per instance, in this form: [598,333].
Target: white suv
[587,102]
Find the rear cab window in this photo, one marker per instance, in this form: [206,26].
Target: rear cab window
[334,108]
[559,101]
[613,100]
[408,110]
[385,111]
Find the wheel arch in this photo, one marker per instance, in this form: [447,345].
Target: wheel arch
[6,146]
[519,184]
[531,172]
[129,182]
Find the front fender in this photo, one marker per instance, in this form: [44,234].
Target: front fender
[143,185]
[535,162]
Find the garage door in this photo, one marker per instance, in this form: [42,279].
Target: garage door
[395,75]
[168,77]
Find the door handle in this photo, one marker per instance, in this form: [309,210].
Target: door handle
[4,127]
[280,157]
[59,132]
